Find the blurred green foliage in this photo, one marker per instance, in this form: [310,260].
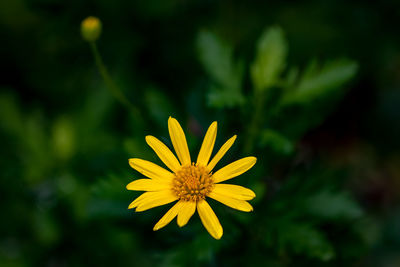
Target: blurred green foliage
[315,98]
[270,60]
[220,65]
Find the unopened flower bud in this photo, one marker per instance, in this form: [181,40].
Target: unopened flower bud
[91,29]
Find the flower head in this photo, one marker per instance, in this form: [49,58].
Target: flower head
[91,29]
[190,183]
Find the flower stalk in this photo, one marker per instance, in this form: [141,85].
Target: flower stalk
[91,31]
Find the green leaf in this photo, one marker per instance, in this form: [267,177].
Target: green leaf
[276,142]
[109,197]
[304,239]
[333,205]
[311,97]
[63,138]
[45,228]
[110,187]
[292,76]
[218,61]
[10,115]
[270,59]
[219,98]
[156,98]
[319,81]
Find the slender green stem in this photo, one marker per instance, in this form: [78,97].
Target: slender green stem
[259,98]
[114,89]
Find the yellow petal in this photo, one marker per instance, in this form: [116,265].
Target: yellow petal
[148,185]
[163,153]
[234,169]
[232,202]
[225,147]
[169,216]
[209,219]
[234,191]
[186,212]
[148,196]
[138,200]
[208,145]
[150,169]
[179,141]
[155,199]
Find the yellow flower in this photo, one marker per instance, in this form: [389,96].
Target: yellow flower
[91,29]
[190,183]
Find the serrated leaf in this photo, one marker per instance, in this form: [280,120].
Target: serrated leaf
[109,197]
[227,74]
[275,141]
[112,186]
[224,98]
[333,205]
[306,240]
[318,81]
[270,59]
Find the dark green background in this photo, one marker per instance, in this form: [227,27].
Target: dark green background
[327,192]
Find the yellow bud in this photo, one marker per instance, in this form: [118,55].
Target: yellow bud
[91,29]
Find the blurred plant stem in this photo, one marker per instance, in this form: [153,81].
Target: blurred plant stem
[114,89]
[259,99]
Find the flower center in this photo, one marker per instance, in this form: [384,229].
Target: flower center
[192,183]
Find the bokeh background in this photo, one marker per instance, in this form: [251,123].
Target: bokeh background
[324,125]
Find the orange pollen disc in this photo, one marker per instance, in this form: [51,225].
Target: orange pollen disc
[192,183]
